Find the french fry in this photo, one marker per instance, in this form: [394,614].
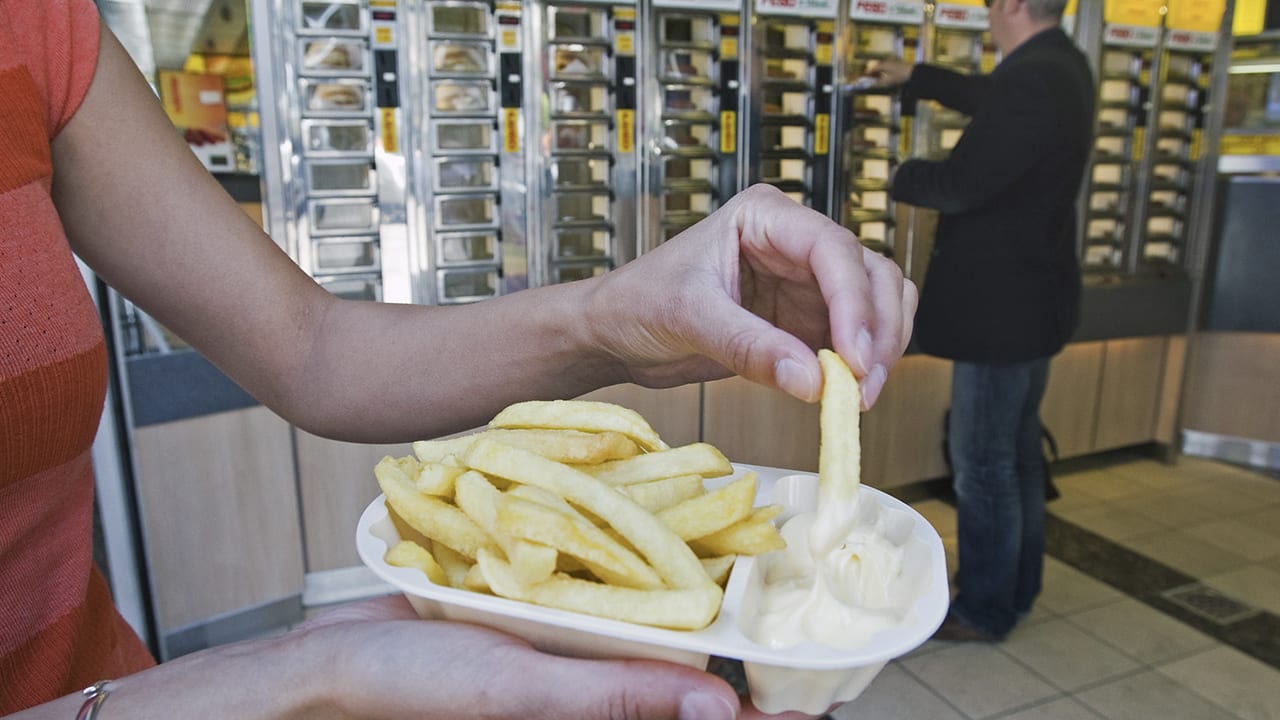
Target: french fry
[409,554]
[478,498]
[754,536]
[695,459]
[578,538]
[712,512]
[684,609]
[718,568]
[561,445]
[455,564]
[658,495]
[665,551]
[584,415]
[840,447]
[437,478]
[438,520]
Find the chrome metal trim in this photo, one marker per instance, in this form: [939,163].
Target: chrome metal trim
[328,587]
[1240,451]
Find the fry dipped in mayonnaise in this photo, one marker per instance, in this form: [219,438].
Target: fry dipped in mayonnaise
[836,581]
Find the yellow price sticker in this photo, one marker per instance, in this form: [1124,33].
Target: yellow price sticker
[390,130]
[821,134]
[626,131]
[728,131]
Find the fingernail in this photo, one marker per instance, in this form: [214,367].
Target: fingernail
[705,706]
[862,350]
[872,384]
[794,379]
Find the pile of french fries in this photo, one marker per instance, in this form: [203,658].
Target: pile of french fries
[577,505]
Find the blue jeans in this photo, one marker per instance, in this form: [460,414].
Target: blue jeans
[996,457]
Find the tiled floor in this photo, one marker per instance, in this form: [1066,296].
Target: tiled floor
[1117,650]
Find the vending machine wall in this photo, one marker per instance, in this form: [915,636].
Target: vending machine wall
[792,83]
[692,68]
[875,134]
[1125,71]
[587,79]
[1179,121]
[467,66]
[956,39]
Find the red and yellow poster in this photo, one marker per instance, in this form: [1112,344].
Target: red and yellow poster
[197,106]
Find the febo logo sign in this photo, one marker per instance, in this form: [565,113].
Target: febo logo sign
[1181,38]
[1121,33]
[871,7]
[954,13]
[781,3]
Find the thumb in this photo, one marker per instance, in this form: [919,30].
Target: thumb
[759,351]
[627,690]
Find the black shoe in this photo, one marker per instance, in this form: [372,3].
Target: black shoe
[953,629]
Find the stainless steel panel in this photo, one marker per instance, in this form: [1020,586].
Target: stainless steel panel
[331,137]
[460,174]
[463,136]
[340,177]
[346,254]
[342,216]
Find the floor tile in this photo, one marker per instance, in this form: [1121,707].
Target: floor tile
[1222,502]
[1111,522]
[1239,537]
[1065,655]
[895,695]
[1186,553]
[1176,510]
[1103,485]
[1255,585]
[1061,709]
[1140,631]
[1067,590]
[979,679]
[1148,695]
[1267,521]
[1231,679]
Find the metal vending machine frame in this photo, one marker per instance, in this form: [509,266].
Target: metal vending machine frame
[875,133]
[584,71]
[328,74]
[793,118]
[691,66]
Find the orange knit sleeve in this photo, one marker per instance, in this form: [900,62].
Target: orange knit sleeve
[58,42]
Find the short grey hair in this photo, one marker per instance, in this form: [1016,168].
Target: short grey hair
[1046,9]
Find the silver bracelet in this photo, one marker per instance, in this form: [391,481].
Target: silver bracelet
[95,695]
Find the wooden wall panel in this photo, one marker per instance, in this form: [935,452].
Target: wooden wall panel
[219,514]
[336,483]
[902,435]
[1175,368]
[1233,385]
[750,423]
[1132,377]
[1070,405]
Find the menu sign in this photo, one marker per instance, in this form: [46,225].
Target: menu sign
[802,8]
[893,11]
[960,16]
[1187,40]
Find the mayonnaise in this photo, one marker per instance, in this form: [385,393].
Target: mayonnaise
[833,584]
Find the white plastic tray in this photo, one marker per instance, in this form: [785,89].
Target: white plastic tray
[807,677]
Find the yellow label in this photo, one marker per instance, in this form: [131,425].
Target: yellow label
[509,7]
[382,35]
[728,48]
[626,44]
[383,3]
[511,130]
[821,134]
[1250,145]
[1250,17]
[625,13]
[390,132]
[510,39]
[626,131]
[822,54]
[728,131]
[1139,136]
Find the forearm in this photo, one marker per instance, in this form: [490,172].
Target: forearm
[384,373]
[258,680]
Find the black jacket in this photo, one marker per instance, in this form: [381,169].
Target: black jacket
[1003,282]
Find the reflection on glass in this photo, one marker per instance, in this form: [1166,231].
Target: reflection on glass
[335,97]
[466,211]
[680,168]
[345,255]
[578,98]
[463,136]
[460,19]
[577,23]
[685,135]
[330,16]
[329,216]
[332,137]
[341,176]
[572,207]
[579,136]
[333,55]
[459,58]
[462,96]
[468,247]
[352,288]
[578,60]
[459,284]
[687,29]
[579,243]
[686,63]
[581,171]
[453,174]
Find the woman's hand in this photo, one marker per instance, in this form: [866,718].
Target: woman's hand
[755,289]
[387,663]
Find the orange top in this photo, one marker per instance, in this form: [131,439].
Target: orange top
[58,629]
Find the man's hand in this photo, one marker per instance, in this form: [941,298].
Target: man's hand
[890,71]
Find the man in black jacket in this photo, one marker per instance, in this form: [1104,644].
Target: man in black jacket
[1001,293]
